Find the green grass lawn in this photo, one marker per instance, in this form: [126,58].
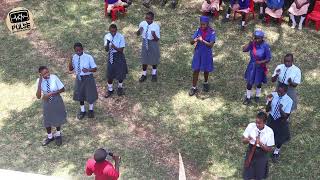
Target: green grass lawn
[154,121]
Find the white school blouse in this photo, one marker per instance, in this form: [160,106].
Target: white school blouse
[266,134]
[152,27]
[292,72]
[54,82]
[286,102]
[86,61]
[118,40]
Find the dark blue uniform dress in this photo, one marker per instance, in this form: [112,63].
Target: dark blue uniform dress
[243,4]
[256,73]
[203,58]
[232,2]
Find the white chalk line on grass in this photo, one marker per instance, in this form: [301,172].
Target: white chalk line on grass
[15,175]
[182,172]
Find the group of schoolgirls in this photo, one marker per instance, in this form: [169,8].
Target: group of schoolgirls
[114,7]
[280,103]
[272,129]
[83,65]
[267,9]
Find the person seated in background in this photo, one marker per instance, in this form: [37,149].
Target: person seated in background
[227,17]
[261,4]
[274,8]
[287,4]
[110,4]
[210,7]
[238,5]
[298,8]
[101,168]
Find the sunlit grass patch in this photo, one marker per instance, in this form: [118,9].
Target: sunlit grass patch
[16,96]
[313,77]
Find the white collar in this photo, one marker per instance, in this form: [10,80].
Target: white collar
[81,54]
[149,24]
[114,35]
[261,131]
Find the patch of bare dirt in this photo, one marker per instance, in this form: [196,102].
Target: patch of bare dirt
[6,6]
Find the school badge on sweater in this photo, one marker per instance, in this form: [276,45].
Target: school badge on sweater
[20,21]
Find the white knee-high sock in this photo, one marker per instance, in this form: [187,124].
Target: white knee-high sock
[50,136]
[154,72]
[261,9]
[83,109]
[110,87]
[301,22]
[90,107]
[228,15]
[294,23]
[276,151]
[248,94]
[258,92]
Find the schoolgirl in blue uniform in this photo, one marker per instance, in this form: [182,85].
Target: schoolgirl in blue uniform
[256,72]
[203,38]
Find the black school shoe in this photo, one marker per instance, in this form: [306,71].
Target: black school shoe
[261,16]
[206,87]
[243,28]
[91,114]
[247,101]
[108,94]
[58,140]
[224,20]
[81,115]
[163,2]
[275,158]
[174,4]
[47,141]
[143,78]
[193,91]
[154,78]
[120,91]
[257,99]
